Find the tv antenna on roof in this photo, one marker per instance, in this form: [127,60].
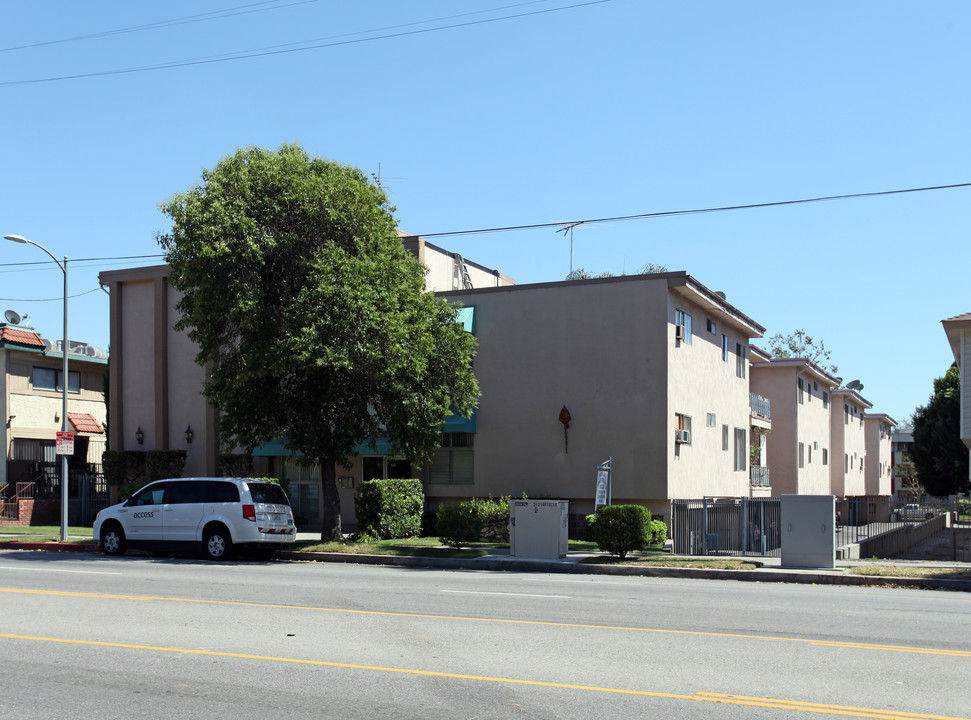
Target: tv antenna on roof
[13,317]
[380,180]
[568,228]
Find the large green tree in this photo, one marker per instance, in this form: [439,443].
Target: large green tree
[938,454]
[311,318]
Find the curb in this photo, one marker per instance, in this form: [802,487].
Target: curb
[506,564]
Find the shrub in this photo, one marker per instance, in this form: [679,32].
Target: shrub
[124,471]
[618,529]
[458,525]
[494,514]
[389,509]
[235,465]
[659,532]
[160,464]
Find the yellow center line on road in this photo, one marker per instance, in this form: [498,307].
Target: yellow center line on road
[791,705]
[662,631]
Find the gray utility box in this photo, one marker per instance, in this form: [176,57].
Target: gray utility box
[809,531]
[538,528]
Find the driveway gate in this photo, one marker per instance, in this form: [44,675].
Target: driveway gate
[727,526]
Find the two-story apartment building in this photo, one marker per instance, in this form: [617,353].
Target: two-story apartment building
[31,383]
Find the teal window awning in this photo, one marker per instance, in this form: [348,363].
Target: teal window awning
[466,318]
[457,423]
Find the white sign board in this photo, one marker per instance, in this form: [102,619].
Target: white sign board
[65,443]
[602,481]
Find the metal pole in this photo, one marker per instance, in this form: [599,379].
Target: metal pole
[64,380]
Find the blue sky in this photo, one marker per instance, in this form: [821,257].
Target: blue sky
[562,114]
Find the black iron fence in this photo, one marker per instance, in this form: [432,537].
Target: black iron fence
[726,526]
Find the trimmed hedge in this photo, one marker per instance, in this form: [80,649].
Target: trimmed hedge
[494,514]
[128,470]
[619,529]
[458,525]
[659,532]
[389,509]
[161,464]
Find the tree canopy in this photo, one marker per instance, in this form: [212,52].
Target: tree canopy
[310,316]
[938,454]
[800,345]
[584,274]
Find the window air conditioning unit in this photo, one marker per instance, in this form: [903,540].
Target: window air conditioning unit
[679,332]
[682,436]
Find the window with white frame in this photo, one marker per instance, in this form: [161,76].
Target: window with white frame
[725,438]
[682,426]
[710,420]
[683,319]
[712,327]
[740,360]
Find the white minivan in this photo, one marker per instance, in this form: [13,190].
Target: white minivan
[192,514]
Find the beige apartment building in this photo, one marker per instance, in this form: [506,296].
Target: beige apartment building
[797,449]
[848,440]
[958,331]
[31,383]
[878,470]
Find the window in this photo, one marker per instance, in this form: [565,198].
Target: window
[725,348]
[710,420]
[825,399]
[453,461]
[725,438]
[846,414]
[825,456]
[802,455]
[809,454]
[802,392]
[682,425]
[846,463]
[741,451]
[50,379]
[712,327]
[740,360]
[683,319]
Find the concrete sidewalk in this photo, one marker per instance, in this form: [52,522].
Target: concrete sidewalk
[499,559]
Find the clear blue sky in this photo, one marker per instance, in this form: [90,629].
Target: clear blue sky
[614,108]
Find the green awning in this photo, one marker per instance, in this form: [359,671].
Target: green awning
[457,423]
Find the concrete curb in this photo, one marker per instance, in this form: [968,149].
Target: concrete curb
[571,566]
[807,577]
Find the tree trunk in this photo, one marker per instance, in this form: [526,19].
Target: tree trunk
[330,530]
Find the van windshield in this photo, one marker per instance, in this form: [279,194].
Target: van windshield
[268,493]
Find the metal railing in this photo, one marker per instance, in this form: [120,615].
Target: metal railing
[759,476]
[727,526]
[761,406]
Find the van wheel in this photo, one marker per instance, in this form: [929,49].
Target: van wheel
[217,544]
[113,540]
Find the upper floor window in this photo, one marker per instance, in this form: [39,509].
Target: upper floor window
[740,360]
[725,348]
[802,391]
[683,320]
[50,379]
[712,327]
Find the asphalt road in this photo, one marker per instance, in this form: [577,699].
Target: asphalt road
[85,636]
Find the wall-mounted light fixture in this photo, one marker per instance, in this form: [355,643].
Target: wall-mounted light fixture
[139,436]
[565,419]
[188,434]
[9,419]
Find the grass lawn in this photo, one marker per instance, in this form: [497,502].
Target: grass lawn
[663,560]
[912,572]
[45,533]
[422,547]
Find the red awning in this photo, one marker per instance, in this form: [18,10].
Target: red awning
[85,422]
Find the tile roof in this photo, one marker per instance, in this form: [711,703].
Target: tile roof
[20,337]
[85,422]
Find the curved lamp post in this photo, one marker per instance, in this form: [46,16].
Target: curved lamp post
[64,378]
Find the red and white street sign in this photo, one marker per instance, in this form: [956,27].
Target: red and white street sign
[65,443]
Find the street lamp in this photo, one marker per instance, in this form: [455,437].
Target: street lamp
[64,379]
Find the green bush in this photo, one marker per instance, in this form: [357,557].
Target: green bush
[659,532]
[124,471]
[235,465]
[389,509]
[494,514]
[619,529]
[161,464]
[458,525]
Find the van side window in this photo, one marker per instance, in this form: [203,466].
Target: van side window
[181,493]
[148,496]
[220,492]
[265,492]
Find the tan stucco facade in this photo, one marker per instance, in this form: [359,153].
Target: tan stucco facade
[878,471]
[848,460]
[799,453]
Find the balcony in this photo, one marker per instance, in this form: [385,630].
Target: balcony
[759,476]
[761,407]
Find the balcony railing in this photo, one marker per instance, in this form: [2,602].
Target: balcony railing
[759,475]
[761,407]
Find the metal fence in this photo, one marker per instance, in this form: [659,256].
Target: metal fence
[726,526]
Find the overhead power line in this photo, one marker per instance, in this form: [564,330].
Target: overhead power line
[698,211]
[267,52]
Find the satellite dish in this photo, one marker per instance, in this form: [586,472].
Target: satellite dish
[720,294]
[12,317]
[854,385]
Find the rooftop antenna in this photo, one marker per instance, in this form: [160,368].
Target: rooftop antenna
[568,228]
[380,179]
